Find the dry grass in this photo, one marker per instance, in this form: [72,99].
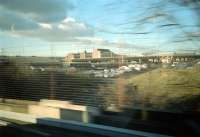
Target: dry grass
[168,88]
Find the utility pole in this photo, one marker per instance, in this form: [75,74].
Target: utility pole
[23,51]
[1,52]
[52,82]
[52,51]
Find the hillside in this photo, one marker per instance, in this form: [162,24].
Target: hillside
[173,89]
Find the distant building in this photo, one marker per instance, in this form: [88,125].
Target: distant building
[102,53]
[177,57]
[85,55]
[72,56]
[166,59]
[95,54]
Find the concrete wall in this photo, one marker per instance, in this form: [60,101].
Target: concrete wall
[18,116]
[18,102]
[44,111]
[62,110]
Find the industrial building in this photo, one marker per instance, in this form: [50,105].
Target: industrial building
[95,54]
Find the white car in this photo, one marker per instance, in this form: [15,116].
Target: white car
[105,75]
[106,70]
[137,68]
[174,64]
[42,69]
[32,68]
[99,74]
[131,65]
[144,66]
[125,68]
[133,62]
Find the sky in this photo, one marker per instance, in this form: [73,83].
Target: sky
[58,27]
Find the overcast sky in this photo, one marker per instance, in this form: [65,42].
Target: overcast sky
[57,27]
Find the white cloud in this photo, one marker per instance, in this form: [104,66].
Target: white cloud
[23,25]
[32,14]
[40,10]
[63,31]
[92,40]
[47,20]
[45,25]
[61,26]
[8,19]
[69,19]
[97,41]
[70,23]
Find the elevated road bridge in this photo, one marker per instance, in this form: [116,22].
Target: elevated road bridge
[144,59]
